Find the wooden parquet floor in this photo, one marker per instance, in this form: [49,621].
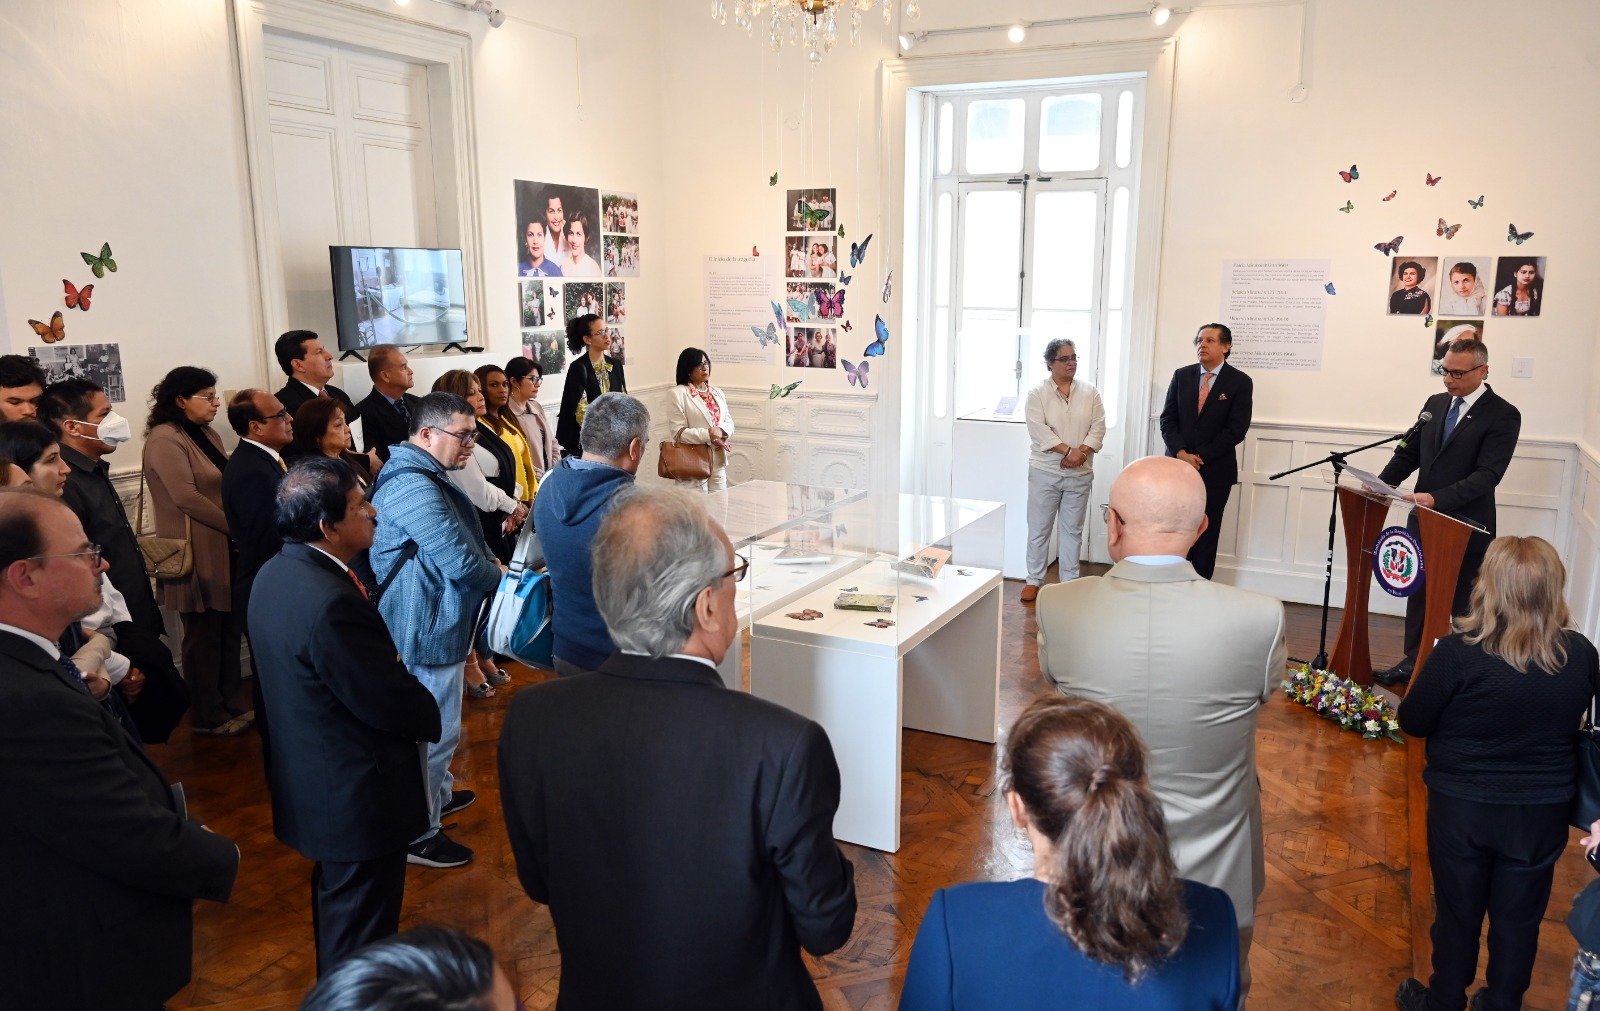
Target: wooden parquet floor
[1332,928]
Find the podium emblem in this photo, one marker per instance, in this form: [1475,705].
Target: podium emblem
[1397,562]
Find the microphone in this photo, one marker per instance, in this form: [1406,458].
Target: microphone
[1422,419]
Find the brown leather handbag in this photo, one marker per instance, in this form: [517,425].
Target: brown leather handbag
[164,557]
[682,461]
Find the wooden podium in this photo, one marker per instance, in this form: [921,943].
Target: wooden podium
[1444,542]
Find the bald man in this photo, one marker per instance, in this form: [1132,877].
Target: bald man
[1188,661]
[386,411]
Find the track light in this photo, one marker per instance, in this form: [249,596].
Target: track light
[1017,32]
[1160,13]
[910,40]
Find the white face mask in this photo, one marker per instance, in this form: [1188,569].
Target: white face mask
[113,430]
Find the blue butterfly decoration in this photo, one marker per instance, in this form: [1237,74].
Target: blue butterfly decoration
[879,346]
[919,597]
[1329,288]
[858,252]
[845,278]
[767,336]
[801,307]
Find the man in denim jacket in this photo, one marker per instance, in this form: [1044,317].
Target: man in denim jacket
[434,571]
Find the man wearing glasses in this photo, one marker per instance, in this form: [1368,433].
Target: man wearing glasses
[1066,427]
[434,572]
[1459,457]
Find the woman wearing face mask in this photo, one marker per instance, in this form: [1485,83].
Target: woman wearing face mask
[183,464]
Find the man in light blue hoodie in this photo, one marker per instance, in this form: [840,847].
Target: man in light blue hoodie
[573,498]
[434,572]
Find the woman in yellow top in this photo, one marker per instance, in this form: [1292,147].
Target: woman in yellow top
[497,415]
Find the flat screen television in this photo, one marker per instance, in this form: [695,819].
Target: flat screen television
[395,295]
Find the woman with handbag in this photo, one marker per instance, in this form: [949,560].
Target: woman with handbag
[589,375]
[183,464]
[1498,702]
[702,425]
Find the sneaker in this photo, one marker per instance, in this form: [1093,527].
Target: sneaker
[438,850]
[1411,996]
[458,799]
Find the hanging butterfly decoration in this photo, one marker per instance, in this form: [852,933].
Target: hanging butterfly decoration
[102,263]
[1329,288]
[1347,208]
[858,253]
[782,391]
[857,373]
[1448,231]
[77,298]
[888,286]
[846,326]
[1477,204]
[767,336]
[919,598]
[755,251]
[1428,321]
[1389,247]
[801,307]
[845,278]
[841,231]
[773,180]
[830,306]
[53,332]
[1390,196]
[812,217]
[783,324]
[1352,174]
[879,346]
[1521,237]
[1433,180]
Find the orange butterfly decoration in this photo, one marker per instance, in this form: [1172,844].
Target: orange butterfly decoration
[54,332]
[77,298]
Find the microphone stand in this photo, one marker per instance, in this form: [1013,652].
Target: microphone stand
[1338,460]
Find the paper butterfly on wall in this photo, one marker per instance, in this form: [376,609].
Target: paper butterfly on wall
[54,332]
[755,251]
[102,263]
[841,231]
[1521,237]
[1448,231]
[1476,204]
[879,346]
[1428,320]
[777,312]
[1433,180]
[919,598]
[830,306]
[857,373]
[801,307]
[845,279]
[1391,195]
[858,253]
[1348,207]
[1389,247]
[773,181]
[767,336]
[1352,174]
[888,286]
[1329,288]
[782,391]
[846,326]
[552,293]
[77,298]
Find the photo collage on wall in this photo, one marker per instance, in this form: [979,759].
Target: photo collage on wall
[1460,293]
[570,241]
[98,363]
[814,301]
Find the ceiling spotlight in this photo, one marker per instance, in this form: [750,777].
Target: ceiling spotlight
[1017,32]
[910,40]
[1160,13]
[497,17]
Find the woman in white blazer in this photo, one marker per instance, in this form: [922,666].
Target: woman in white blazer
[701,416]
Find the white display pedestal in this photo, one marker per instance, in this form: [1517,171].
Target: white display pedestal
[990,461]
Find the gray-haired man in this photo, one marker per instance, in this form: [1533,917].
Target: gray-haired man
[647,786]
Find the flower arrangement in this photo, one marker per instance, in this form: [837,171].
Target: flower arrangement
[1344,702]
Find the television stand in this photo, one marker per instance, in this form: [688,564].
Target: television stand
[458,346]
[351,354]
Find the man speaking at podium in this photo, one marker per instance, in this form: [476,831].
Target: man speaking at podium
[1462,453]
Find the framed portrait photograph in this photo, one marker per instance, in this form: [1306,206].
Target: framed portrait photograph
[812,210]
[1464,288]
[1413,286]
[1446,333]
[1518,286]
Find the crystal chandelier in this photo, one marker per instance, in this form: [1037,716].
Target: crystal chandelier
[813,24]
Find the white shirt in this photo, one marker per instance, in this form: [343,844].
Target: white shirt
[329,556]
[1467,402]
[265,449]
[677,656]
[1154,559]
[314,389]
[35,638]
[1054,420]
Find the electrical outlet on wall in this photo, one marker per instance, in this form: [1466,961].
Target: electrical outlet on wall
[1522,368]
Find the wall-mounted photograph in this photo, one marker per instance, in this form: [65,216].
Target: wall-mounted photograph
[1519,286]
[548,348]
[546,216]
[622,256]
[582,298]
[812,348]
[1466,286]
[532,303]
[619,213]
[1446,333]
[616,303]
[1413,286]
[812,210]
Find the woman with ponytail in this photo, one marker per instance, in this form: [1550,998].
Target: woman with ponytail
[1105,922]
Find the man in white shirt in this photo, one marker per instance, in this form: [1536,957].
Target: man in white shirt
[1066,427]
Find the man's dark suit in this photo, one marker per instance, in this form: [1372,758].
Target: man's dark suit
[101,870]
[295,393]
[249,500]
[349,790]
[1211,435]
[681,833]
[1461,475]
[382,424]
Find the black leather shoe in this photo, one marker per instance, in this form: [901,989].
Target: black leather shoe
[1411,996]
[1399,674]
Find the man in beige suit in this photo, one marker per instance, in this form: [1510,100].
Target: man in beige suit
[1187,660]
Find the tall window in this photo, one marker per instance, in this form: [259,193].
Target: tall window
[1031,193]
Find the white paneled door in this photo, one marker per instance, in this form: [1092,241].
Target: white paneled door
[352,162]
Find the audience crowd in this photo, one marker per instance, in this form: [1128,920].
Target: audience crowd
[679,832]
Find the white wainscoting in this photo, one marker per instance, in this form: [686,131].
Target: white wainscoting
[1583,542]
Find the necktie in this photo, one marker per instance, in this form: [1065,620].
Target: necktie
[405,412]
[283,466]
[1205,388]
[357,580]
[74,673]
[323,392]
[1454,416]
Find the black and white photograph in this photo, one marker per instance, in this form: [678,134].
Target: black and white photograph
[1518,286]
[622,256]
[810,348]
[1413,286]
[582,298]
[1465,291]
[618,349]
[616,303]
[98,363]
[812,210]
[558,230]
[548,348]
[1446,333]
[532,304]
[619,213]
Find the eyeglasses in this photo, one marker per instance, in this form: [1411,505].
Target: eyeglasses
[1462,373]
[1106,512]
[94,551]
[209,398]
[466,438]
[273,417]
[1068,358]
[741,566]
